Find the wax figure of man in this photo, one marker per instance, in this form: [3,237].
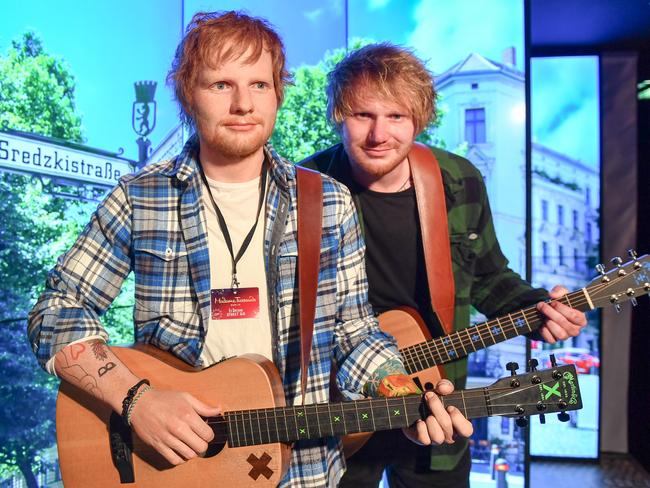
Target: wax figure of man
[221,215]
[380,98]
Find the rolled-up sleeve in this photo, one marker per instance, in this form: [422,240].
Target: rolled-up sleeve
[85,280]
[360,346]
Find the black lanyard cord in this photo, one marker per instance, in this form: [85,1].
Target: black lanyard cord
[224,227]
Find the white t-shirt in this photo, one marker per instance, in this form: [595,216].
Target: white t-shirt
[238,204]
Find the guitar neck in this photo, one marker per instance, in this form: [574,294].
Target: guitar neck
[290,424]
[459,344]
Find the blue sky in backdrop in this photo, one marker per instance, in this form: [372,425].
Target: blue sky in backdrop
[565,102]
[110,44]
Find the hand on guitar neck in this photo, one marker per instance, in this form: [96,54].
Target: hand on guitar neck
[441,426]
[169,421]
[562,321]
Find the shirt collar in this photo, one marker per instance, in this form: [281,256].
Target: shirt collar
[186,164]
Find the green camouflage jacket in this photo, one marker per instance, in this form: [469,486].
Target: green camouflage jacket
[481,274]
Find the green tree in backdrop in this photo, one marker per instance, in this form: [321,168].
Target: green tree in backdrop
[36,95]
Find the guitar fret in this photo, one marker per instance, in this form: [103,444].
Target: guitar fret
[259,425]
[320,434]
[527,323]
[480,333]
[487,324]
[505,337]
[462,396]
[406,414]
[424,356]
[470,338]
[439,358]
[295,421]
[277,428]
[442,341]
[345,427]
[356,409]
[457,335]
[390,424]
[568,301]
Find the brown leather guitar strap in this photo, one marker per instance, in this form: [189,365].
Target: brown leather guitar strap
[430,196]
[310,222]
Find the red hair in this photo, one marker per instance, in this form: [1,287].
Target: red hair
[211,38]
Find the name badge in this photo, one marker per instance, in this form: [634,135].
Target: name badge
[235,303]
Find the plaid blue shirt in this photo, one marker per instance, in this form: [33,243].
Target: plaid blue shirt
[153,223]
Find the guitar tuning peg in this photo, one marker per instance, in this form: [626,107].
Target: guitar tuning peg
[512,367]
[617,261]
[634,302]
[522,422]
[632,253]
[617,307]
[542,418]
[553,361]
[601,269]
[563,417]
[532,365]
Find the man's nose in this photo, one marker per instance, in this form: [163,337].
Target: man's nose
[242,102]
[378,131]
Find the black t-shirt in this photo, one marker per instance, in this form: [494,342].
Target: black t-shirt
[394,256]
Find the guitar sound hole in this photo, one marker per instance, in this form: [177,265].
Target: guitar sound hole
[428,386]
[218,426]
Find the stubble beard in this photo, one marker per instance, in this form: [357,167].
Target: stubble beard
[236,145]
[376,168]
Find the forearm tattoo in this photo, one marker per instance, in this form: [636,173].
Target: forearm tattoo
[71,370]
[390,380]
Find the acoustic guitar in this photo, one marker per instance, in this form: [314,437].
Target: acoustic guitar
[252,439]
[423,356]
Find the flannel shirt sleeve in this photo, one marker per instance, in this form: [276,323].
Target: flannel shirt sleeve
[84,281]
[360,347]
[496,289]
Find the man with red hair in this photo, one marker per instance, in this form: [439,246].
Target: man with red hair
[380,98]
[217,220]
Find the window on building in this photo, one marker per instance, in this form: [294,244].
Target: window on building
[575,220]
[474,86]
[588,232]
[560,214]
[544,252]
[475,125]
[545,210]
[588,195]
[560,255]
[576,259]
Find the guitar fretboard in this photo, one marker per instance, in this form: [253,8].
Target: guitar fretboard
[289,424]
[460,343]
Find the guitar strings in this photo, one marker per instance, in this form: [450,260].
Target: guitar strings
[289,413]
[483,330]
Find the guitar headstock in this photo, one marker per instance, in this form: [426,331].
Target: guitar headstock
[536,393]
[622,283]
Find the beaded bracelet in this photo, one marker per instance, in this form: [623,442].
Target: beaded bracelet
[135,400]
[128,399]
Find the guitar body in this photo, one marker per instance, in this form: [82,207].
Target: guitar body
[83,434]
[408,329]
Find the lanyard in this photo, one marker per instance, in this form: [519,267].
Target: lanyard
[224,227]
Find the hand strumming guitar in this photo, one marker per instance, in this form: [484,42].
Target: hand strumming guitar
[168,421]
